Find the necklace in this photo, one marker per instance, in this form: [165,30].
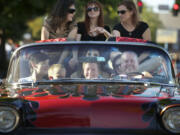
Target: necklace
[129,28]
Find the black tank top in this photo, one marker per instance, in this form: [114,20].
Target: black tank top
[136,33]
[86,37]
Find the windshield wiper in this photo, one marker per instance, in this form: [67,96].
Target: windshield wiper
[93,81]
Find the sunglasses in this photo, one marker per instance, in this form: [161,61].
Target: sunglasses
[93,8]
[121,12]
[71,11]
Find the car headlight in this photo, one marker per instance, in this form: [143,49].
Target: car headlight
[171,119]
[9,119]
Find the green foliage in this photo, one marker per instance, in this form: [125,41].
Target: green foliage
[178,2]
[152,19]
[110,15]
[35,27]
[14,15]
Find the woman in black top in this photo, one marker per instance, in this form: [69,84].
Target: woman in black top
[93,27]
[129,25]
[60,23]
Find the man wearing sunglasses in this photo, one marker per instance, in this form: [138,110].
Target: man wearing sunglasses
[129,25]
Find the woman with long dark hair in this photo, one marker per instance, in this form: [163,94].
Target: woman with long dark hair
[93,27]
[130,25]
[60,23]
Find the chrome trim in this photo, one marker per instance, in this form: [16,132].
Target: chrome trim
[167,107]
[16,121]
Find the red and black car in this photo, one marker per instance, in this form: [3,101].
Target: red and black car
[103,88]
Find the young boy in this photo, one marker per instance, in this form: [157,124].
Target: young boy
[56,71]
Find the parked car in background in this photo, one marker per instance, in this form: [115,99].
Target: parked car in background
[125,87]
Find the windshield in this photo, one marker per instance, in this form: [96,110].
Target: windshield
[90,62]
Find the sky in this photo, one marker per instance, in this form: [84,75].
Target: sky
[155,3]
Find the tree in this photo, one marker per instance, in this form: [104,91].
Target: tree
[178,2]
[152,19]
[14,16]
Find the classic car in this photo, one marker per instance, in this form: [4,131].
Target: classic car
[113,87]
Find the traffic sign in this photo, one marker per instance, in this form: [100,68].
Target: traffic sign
[167,36]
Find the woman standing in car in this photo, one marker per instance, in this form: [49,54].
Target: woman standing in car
[93,27]
[129,25]
[59,23]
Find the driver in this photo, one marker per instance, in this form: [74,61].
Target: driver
[126,63]
[129,62]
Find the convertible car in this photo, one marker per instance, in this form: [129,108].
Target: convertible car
[113,87]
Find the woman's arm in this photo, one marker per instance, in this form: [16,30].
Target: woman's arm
[44,33]
[107,34]
[101,30]
[73,34]
[147,35]
[73,61]
[78,37]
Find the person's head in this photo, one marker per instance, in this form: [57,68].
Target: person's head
[56,71]
[128,62]
[90,70]
[93,10]
[63,12]
[128,12]
[116,63]
[39,63]
[10,41]
[92,53]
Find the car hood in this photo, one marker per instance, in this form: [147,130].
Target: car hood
[94,106]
